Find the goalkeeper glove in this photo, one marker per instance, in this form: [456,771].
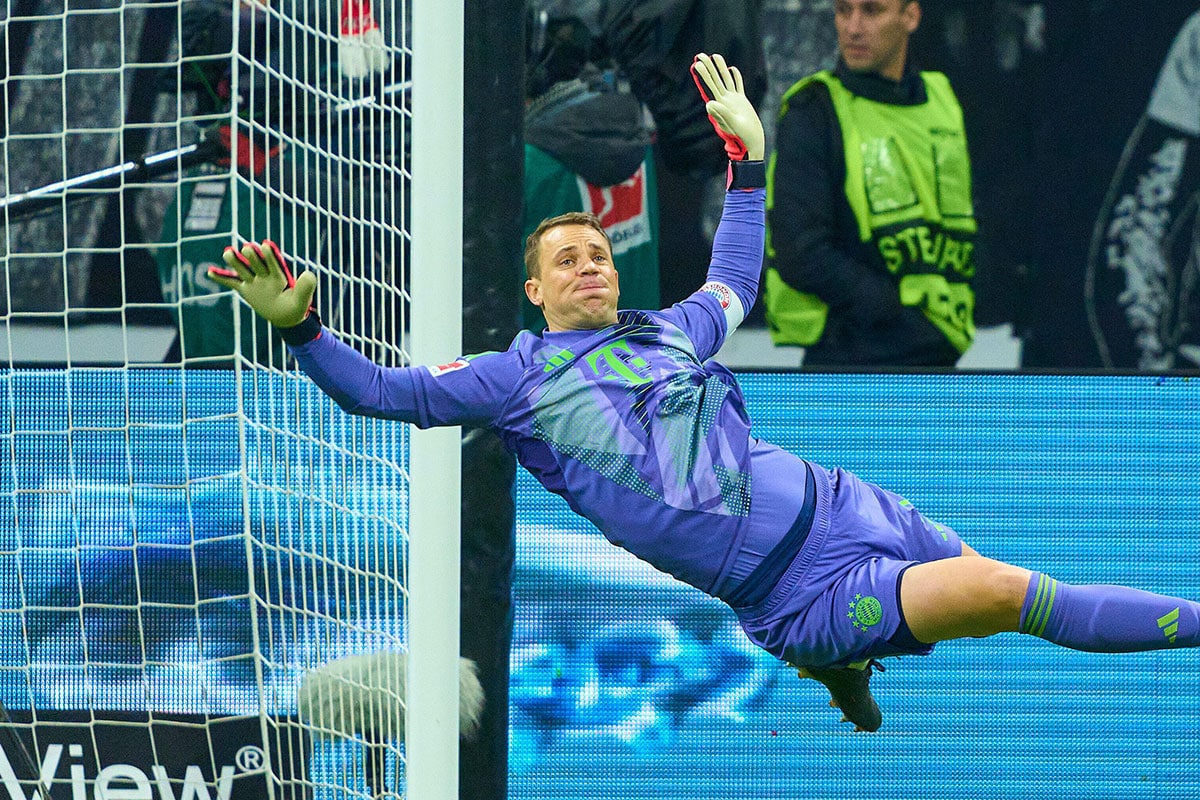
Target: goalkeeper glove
[261,276]
[729,110]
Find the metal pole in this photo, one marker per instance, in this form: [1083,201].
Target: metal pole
[87,186]
[431,741]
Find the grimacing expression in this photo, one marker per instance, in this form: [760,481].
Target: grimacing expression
[576,286]
[873,34]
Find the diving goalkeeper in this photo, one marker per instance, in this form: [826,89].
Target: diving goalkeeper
[624,415]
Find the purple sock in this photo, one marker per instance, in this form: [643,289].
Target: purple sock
[1107,619]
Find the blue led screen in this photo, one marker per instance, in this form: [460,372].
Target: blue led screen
[121,497]
[145,550]
[626,684]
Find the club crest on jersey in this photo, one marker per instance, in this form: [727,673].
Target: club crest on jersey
[453,366]
[719,291]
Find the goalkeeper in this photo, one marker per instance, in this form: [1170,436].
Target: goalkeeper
[623,414]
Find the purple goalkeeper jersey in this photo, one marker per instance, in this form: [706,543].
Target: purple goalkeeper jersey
[632,424]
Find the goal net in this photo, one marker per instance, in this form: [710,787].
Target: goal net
[189,529]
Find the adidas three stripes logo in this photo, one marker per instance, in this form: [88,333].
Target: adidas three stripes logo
[1039,612]
[1169,624]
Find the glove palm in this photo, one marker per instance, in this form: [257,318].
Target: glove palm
[261,276]
[731,112]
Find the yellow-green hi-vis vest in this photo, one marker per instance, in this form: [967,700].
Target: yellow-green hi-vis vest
[908,181]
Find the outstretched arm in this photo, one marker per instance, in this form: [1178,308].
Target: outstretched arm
[737,255]
[463,392]
[738,245]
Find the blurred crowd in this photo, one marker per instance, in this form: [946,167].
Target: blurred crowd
[1074,232]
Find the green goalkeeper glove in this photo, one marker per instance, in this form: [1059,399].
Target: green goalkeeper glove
[261,276]
[731,112]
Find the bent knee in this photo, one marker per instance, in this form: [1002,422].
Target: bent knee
[1002,589]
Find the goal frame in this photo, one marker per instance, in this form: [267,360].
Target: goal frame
[431,743]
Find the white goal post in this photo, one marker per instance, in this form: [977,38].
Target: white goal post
[437,257]
[189,530]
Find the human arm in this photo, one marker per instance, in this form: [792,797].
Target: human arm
[738,244]
[467,391]
[463,392]
[1175,101]
[736,263]
[737,255]
[814,238]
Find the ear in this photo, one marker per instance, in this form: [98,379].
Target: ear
[912,15]
[533,290]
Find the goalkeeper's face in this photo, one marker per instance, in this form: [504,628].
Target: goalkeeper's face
[576,286]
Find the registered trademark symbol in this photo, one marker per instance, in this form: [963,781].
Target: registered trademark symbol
[250,758]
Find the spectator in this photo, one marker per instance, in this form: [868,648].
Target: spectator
[587,148]
[872,226]
[1142,289]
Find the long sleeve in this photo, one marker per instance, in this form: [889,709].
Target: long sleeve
[463,392]
[737,252]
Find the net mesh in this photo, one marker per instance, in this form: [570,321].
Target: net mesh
[189,530]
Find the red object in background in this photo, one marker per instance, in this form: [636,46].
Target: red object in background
[251,158]
[619,203]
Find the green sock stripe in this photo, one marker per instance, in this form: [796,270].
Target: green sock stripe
[1039,611]
[1041,628]
[1037,600]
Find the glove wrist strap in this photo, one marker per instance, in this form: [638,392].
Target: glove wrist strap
[746,175]
[308,329]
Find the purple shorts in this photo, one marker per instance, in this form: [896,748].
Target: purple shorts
[839,600]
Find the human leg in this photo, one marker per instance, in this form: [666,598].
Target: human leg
[859,621]
[850,692]
[1108,619]
[875,535]
[959,597]
[978,597]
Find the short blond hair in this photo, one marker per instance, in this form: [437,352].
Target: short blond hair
[533,242]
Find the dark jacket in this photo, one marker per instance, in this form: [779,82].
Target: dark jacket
[815,238]
[652,43]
